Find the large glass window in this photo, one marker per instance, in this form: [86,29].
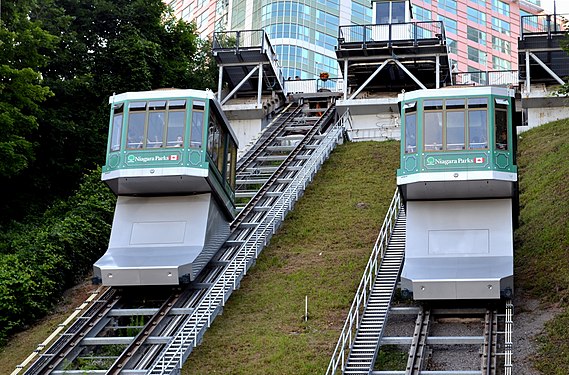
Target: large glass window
[501,26]
[450,25]
[390,12]
[477,123]
[476,35]
[501,118]
[136,120]
[500,7]
[422,14]
[476,55]
[433,125]
[501,45]
[176,121]
[410,127]
[448,5]
[196,134]
[117,127]
[476,16]
[156,122]
[231,164]
[455,124]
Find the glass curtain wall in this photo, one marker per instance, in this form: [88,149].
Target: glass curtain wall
[303,32]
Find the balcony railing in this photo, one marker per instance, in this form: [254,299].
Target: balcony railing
[544,24]
[411,32]
[487,78]
[313,85]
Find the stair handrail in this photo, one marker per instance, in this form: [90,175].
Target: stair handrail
[351,324]
[228,280]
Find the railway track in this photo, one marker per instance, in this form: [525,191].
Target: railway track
[444,341]
[153,330]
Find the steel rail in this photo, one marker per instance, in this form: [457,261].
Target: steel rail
[74,334]
[137,343]
[415,361]
[266,139]
[324,119]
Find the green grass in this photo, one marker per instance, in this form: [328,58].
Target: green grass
[319,252]
[542,240]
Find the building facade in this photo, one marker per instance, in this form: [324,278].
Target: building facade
[482,34]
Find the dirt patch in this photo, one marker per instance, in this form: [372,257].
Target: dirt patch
[529,321]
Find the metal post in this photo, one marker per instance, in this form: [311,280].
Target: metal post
[527,72]
[345,79]
[438,71]
[220,83]
[260,85]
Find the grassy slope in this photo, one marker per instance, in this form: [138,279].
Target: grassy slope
[319,252]
[542,241]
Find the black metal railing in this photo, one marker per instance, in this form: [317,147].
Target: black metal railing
[414,32]
[235,40]
[544,24]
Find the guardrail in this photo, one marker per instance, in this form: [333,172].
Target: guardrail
[487,78]
[248,40]
[409,31]
[296,86]
[183,341]
[544,24]
[348,334]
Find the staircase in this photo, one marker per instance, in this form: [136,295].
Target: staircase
[366,343]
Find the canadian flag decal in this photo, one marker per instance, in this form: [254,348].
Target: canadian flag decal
[173,157]
[479,160]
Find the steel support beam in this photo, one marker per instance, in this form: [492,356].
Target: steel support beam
[370,78]
[260,84]
[551,72]
[239,85]
[411,75]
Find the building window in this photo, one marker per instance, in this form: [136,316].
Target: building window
[475,15]
[422,14]
[501,64]
[482,3]
[501,45]
[450,25]
[448,5]
[501,26]
[476,55]
[476,35]
[452,46]
[500,7]
[390,12]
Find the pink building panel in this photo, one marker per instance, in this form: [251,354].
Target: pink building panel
[487,51]
[202,12]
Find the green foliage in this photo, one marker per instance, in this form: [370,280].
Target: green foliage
[21,88]
[102,47]
[40,261]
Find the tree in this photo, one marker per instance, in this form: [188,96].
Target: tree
[22,46]
[103,47]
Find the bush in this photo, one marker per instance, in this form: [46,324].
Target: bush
[44,257]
